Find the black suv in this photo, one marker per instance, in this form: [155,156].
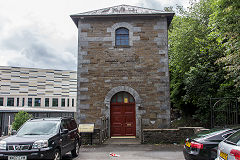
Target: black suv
[47,138]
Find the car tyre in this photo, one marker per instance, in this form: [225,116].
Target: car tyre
[75,151]
[57,155]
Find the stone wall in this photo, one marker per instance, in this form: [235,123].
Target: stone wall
[142,68]
[156,136]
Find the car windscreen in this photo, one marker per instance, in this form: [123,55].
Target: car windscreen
[211,133]
[39,128]
[234,138]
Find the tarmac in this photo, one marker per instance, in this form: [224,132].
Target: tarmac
[130,149]
[127,149]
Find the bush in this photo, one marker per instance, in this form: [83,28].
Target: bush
[20,118]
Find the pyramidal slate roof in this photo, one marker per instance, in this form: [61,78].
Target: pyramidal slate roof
[121,10]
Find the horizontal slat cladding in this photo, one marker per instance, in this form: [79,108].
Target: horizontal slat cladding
[33,81]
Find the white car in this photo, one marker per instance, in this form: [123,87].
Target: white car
[229,149]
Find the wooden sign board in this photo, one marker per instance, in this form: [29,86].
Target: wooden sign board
[86,128]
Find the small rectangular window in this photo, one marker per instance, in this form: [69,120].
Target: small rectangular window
[68,102]
[1,101]
[23,101]
[55,102]
[72,102]
[10,101]
[17,101]
[37,102]
[46,102]
[63,102]
[30,102]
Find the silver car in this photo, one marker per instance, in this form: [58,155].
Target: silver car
[229,149]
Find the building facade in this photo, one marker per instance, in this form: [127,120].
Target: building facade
[40,92]
[123,69]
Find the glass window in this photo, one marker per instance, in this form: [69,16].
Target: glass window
[30,102]
[37,102]
[122,37]
[234,138]
[23,101]
[17,101]
[39,128]
[119,98]
[72,102]
[1,101]
[68,102]
[63,102]
[122,97]
[46,102]
[10,101]
[114,99]
[55,102]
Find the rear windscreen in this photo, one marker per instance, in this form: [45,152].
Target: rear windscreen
[234,138]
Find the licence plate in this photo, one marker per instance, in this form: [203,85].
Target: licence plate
[17,157]
[188,144]
[223,155]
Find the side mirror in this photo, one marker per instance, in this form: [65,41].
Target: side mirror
[64,131]
[14,132]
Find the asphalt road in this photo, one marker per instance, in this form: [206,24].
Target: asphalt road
[128,152]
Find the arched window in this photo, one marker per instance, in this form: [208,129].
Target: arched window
[122,97]
[122,37]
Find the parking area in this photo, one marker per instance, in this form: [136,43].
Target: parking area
[124,151]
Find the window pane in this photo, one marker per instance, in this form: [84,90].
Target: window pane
[10,102]
[46,102]
[68,102]
[114,99]
[37,102]
[1,101]
[122,31]
[55,102]
[119,97]
[30,102]
[122,36]
[63,102]
[72,102]
[17,101]
[131,99]
[118,42]
[23,101]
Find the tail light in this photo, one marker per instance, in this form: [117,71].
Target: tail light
[197,145]
[235,153]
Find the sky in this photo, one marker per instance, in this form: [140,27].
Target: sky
[41,34]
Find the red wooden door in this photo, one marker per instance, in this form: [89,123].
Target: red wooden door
[123,119]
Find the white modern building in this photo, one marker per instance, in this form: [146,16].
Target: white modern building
[40,92]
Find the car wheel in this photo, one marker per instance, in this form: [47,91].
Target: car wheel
[75,151]
[57,155]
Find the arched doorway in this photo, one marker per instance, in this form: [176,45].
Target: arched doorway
[122,115]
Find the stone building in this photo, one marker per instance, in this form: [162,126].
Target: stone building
[123,69]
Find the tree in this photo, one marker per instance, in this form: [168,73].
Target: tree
[195,50]
[20,118]
[224,23]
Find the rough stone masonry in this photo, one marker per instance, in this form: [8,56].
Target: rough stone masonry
[141,68]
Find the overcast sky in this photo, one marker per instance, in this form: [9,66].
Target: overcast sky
[40,33]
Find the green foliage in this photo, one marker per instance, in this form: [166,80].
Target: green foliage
[20,118]
[225,21]
[198,56]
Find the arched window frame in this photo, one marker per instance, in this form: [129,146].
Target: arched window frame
[124,25]
[122,37]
